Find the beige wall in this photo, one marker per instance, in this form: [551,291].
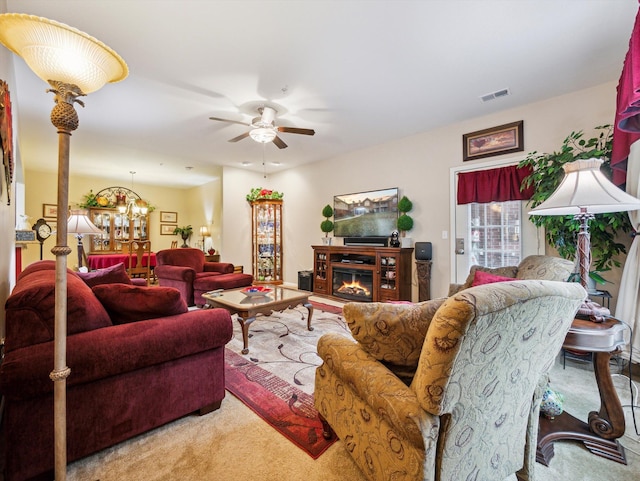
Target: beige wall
[419,165]
[196,206]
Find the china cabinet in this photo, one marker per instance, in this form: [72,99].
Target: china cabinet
[266,234]
[116,229]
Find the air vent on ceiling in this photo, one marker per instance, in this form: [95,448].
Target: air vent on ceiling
[495,95]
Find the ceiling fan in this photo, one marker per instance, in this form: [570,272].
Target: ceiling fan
[264,130]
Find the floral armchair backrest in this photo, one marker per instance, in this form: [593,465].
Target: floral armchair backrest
[485,351]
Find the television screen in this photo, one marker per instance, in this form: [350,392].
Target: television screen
[366,214]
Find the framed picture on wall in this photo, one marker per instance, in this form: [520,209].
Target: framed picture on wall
[166,229]
[170,217]
[503,139]
[49,211]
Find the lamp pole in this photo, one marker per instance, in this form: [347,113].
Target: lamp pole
[65,118]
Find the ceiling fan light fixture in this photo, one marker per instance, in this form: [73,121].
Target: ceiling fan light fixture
[263,135]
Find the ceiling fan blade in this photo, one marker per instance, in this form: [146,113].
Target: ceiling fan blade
[294,130]
[279,142]
[239,137]
[227,120]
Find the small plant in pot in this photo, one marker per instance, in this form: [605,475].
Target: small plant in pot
[184,232]
[405,221]
[326,225]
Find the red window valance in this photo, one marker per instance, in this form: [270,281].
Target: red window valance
[493,185]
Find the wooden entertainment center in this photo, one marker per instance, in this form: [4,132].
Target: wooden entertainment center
[387,269]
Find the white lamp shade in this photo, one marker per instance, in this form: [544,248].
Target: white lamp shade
[585,186]
[263,135]
[55,51]
[79,223]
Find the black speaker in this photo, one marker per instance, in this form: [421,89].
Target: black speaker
[305,281]
[423,251]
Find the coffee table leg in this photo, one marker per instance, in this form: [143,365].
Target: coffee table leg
[244,325]
[309,307]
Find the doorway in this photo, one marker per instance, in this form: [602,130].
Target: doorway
[494,234]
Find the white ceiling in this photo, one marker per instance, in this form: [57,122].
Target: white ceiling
[358,72]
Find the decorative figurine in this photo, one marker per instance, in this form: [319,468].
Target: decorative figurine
[395,239]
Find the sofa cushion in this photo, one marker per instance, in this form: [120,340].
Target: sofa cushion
[545,268]
[109,275]
[208,282]
[507,271]
[127,303]
[482,277]
[30,310]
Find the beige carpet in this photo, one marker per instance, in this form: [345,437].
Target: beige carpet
[234,443]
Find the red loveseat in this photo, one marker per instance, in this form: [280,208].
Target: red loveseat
[138,359]
[186,270]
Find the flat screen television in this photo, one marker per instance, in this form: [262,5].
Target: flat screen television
[366,214]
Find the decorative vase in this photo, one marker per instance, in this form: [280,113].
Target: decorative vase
[551,404]
[184,240]
[406,241]
[326,241]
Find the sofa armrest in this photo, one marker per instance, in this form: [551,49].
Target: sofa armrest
[176,273]
[375,385]
[222,267]
[111,351]
[454,289]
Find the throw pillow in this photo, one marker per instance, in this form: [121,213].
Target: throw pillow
[481,278]
[127,303]
[508,271]
[108,275]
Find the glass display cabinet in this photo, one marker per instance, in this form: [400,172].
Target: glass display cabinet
[266,230]
[116,229]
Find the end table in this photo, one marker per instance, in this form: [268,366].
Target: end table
[600,435]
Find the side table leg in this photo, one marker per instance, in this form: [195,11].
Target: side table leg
[309,307]
[609,422]
[244,326]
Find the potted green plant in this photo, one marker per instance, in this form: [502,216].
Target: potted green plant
[184,232]
[405,221]
[326,225]
[561,232]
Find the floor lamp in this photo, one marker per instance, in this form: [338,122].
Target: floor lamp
[584,192]
[79,224]
[74,64]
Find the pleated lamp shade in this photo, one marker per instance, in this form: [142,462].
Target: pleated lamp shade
[584,186]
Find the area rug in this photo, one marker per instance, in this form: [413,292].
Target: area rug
[276,378]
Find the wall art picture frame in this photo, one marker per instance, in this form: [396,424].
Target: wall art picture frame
[499,140]
[6,139]
[49,211]
[167,229]
[169,217]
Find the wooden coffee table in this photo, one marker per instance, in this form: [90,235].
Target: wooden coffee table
[247,308]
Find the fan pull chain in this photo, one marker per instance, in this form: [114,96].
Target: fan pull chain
[264,165]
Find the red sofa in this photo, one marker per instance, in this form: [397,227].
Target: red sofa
[138,360]
[186,270]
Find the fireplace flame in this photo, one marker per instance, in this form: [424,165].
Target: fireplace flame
[354,289]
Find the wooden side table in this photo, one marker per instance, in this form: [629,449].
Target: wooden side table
[600,435]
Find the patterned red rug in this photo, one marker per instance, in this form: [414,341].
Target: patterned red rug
[275,379]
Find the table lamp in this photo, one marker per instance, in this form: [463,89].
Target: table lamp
[79,224]
[74,64]
[583,192]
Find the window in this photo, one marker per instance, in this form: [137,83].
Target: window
[495,235]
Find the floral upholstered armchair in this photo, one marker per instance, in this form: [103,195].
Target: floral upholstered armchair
[447,389]
[539,267]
